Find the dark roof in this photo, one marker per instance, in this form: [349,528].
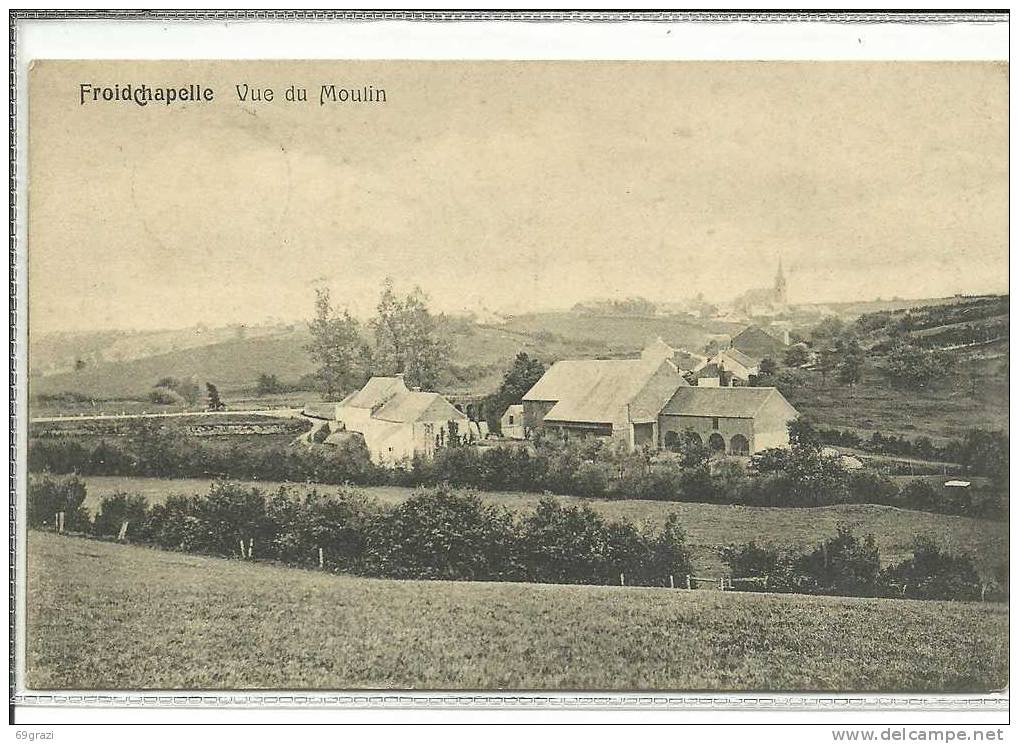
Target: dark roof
[756,342]
[739,357]
[724,402]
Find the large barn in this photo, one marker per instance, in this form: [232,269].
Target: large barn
[647,402]
[618,398]
[730,420]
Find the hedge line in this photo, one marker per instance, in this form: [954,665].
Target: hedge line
[450,535]
[848,565]
[435,534]
[800,477]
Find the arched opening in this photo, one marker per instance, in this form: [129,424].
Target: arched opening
[739,445]
[692,438]
[716,443]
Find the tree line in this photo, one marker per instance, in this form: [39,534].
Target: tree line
[804,475]
[454,535]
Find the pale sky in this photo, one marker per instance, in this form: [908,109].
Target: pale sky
[512,185]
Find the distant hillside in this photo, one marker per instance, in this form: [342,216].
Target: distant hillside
[618,334]
[970,333]
[480,355]
[854,309]
[229,365]
[53,353]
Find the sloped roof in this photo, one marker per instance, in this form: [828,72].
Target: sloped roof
[377,390]
[724,402]
[596,390]
[648,402]
[684,359]
[757,342]
[408,407]
[739,357]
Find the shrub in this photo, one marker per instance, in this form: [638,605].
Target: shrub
[932,574]
[444,535]
[872,488]
[116,509]
[337,523]
[843,564]
[173,524]
[919,494]
[751,560]
[49,496]
[321,434]
[229,514]
[165,397]
[565,545]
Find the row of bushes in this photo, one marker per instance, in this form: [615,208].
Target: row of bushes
[979,452]
[802,476]
[848,565]
[435,534]
[444,534]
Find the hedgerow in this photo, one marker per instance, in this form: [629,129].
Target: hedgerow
[803,475]
[850,566]
[435,534]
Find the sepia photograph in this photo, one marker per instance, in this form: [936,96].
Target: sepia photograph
[517,375]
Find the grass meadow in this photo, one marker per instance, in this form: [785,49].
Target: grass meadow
[709,527]
[110,616]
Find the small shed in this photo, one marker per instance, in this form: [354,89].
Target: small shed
[512,422]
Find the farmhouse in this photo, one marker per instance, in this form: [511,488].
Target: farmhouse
[398,423]
[618,398]
[727,368]
[731,420]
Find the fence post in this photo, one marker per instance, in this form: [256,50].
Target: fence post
[904,589]
[61,517]
[766,577]
[622,580]
[242,548]
[321,559]
[123,530]
[983,591]
[672,583]
[251,546]
[689,584]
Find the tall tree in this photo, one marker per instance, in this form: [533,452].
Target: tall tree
[406,338]
[335,346]
[849,366]
[519,378]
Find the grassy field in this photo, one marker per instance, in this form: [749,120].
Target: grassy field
[709,527]
[973,396]
[108,616]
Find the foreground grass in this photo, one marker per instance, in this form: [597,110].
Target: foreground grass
[709,527]
[108,616]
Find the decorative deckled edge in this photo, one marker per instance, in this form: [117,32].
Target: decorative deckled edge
[527,16]
[521,701]
[13,361]
[426,700]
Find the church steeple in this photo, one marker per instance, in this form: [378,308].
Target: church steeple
[780,284]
